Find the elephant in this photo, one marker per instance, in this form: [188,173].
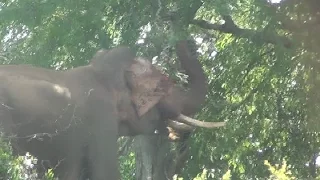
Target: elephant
[78,106]
[74,116]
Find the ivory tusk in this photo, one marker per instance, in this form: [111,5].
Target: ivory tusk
[180,126]
[194,122]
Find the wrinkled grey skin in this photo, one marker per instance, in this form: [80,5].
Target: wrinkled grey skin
[53,113]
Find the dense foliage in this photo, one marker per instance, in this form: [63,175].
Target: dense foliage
[261,59]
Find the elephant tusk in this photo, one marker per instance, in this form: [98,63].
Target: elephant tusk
[179,125]
[194,122]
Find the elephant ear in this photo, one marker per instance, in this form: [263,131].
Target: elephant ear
[148,84]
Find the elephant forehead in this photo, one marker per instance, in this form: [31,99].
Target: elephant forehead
[141,66]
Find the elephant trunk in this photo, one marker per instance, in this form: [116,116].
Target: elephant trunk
[197,81]
[193,99]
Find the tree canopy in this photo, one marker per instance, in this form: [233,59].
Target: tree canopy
[260,57]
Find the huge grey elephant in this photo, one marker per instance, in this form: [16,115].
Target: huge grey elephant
[75,116]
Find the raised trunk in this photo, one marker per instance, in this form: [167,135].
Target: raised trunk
[190,101]
[197,81]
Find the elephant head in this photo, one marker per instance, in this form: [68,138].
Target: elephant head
[152,89]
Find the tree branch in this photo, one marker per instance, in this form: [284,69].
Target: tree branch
[184,14]
[230,27]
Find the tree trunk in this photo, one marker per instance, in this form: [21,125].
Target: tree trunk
[151,157]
